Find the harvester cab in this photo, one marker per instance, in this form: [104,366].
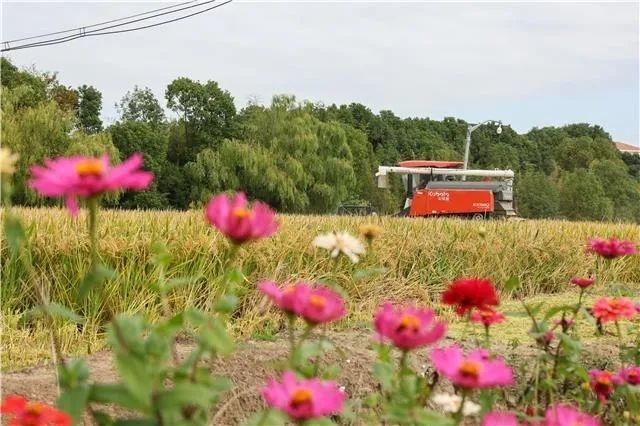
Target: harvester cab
[440,188]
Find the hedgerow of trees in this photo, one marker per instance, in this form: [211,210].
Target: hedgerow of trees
[301,157]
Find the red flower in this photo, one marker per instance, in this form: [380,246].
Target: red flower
[487,317]
[603,383]
[469,293]
[23,413]
[611,248]
[582,282]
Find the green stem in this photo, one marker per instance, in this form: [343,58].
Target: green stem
[292,338]
[620,343]
[487,338]
[459,415]
[93,230]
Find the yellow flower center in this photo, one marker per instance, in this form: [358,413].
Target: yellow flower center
[241,212]
[34,408]
[301,396]
[409,321]
[470,368]
[603,380]
[317,301]
[89,167]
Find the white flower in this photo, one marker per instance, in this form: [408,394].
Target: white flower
[340,242]
[450,403]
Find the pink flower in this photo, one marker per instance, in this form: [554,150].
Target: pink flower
[233,217]
[630,375]
[611,248]
[303,399]
[609,309]
[487,317]
[499,418]
[603,383]
[477,370]
[85,177]
[316,304]
[468,293]
[582,282]
[566,415]
[408,327]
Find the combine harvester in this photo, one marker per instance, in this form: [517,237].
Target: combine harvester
[440,188]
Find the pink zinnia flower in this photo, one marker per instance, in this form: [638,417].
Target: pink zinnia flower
[609,309]
[566,415]
[316,304]
[611,248]
[20,412]
[499,418]
[630,375]
[85,177]
[477,370]
[468,293]
[303,399]
[408,327]
[233,217]
[582,282]
[487,317]
[603,383]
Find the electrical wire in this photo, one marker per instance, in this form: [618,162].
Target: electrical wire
[101,31]
[100,23]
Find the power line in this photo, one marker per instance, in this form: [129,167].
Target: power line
[101,31]
[99,24]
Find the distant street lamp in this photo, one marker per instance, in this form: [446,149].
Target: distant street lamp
[470,129]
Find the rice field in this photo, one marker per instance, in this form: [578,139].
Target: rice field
[418,258]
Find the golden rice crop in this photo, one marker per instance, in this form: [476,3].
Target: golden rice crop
[420,256]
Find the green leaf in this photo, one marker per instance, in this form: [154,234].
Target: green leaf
[113,394]
[431,418]
[73,401]
[58,311]
[214,337]
[136,377]
[311,349]
[96,276]
[384,373]
[136,422]
[74,374]
[587,316]
[101,418]
[14,233]
[267,418]
[174,283]
[319,422]
[556,310]
[512,283]
[186,393]
[226,304]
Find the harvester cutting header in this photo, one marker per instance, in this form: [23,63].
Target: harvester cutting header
[441,188]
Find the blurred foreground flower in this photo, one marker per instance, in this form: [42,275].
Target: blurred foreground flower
[468,293]
[369,231]
[303,399]
[630,375]
[7,161]
[238,221]
[86,177]
[499,418]
[610,309]
[408,327]
[316,304]
[566,415]
[611,248]
[21,412]
[450,403]
[340,242]
[477,370]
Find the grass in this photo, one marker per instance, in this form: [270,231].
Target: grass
[420,257]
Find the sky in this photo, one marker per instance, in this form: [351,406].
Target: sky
[527,64]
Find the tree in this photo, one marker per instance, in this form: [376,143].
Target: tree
[620,188]
[207,115]
[583,198]
[536,195]
[88,111]
[141,105]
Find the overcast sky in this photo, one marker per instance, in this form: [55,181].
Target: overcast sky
[524,63]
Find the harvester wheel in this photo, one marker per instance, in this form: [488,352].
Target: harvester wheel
[477,216]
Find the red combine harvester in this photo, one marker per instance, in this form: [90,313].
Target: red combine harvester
[440,188]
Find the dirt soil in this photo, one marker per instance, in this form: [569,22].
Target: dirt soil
[251,364]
